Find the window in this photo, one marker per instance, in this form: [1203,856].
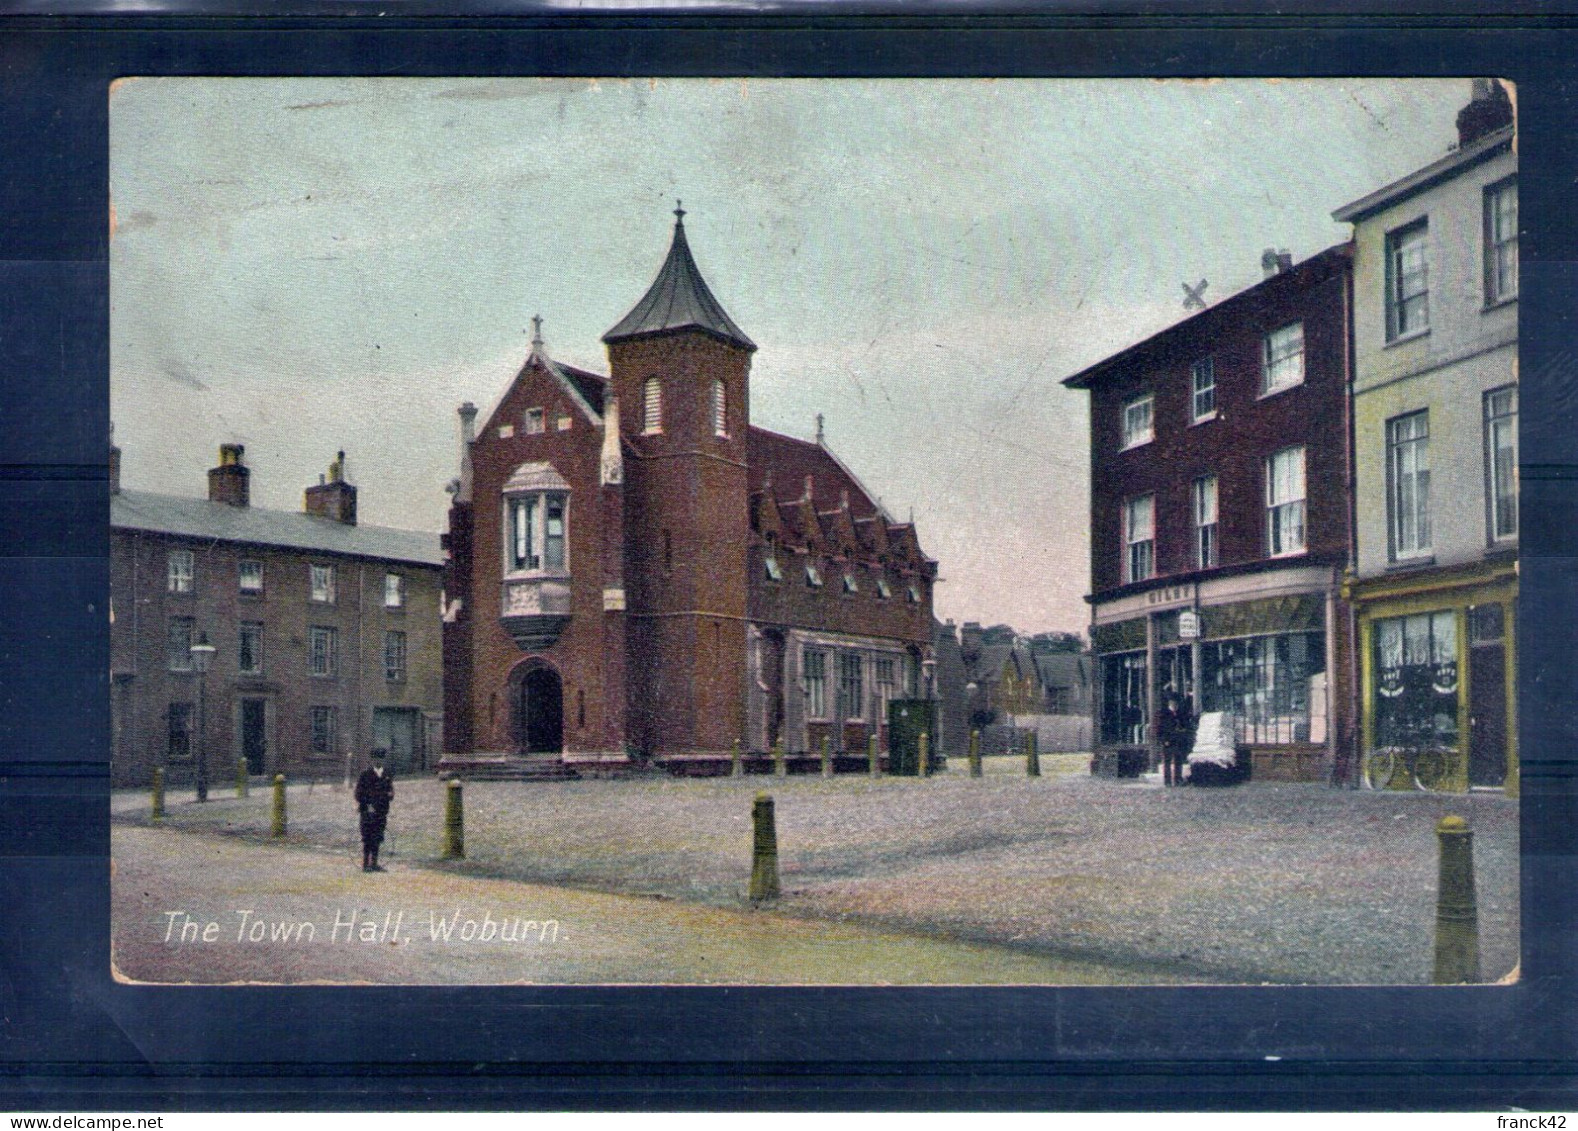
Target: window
[322,650]
[884,590]
[537,532]
[652,406]
[1416,679]
[323,584]
[1274,686]
[913,594]
[1123,699]
[720,411]
[1282,359]
[1139,538]
[1407,282]
[1204,493]
[770,565]
[1501,461]
[883,675]
[535,422]
[1285,502]
[1137,421]
[178,646]
[816,685]
[324,726]
[251,577]
[178,740]
[1202,378]
[813,577]
[394,591]
[850,584]
[851,686]
[394,656]
[249,651]
[563,423]
[1501,242]
[180,571]
[1408,484]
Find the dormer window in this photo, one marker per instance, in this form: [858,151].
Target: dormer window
[884,590]
[813,577]
[771,568]
[850,585]
[914,594]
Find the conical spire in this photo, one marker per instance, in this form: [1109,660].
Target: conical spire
[678,299]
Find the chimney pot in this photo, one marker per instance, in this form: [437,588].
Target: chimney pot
[334,499]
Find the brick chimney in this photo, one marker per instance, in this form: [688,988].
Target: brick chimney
[1489,109]
[227,483]
[115,464]
[334,499]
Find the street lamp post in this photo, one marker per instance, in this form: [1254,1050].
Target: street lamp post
[202,656]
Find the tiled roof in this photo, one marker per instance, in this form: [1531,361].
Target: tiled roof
[789,461]
[255,526]
[679,299]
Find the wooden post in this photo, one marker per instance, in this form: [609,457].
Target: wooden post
[158,793]
[454,822]
[241,777]
[735,768]
[873,757]
[1032,756]
[764,851]
[827,758]
[923,766]
[277,824]
[780,765]
[975,753]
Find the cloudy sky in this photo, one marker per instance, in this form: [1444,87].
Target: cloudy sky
[308,265]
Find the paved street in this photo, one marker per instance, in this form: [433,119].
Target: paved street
[1064,878]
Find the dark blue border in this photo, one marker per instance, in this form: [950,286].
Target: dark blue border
[73,1039]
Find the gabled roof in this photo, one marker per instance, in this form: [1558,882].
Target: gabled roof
[1454,163]
[678,299]
[788,462]
[254,526]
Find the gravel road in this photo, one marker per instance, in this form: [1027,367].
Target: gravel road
[1274,883]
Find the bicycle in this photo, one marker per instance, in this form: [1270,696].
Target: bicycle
[1418,752]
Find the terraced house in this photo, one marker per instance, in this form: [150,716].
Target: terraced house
[290,641]
[637,571]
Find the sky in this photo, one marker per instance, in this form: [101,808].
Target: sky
[309,265]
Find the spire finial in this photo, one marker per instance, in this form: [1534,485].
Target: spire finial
[536,331]
[679,213]
[819,437]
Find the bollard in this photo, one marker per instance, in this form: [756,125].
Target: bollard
[780,766]
[975,753]
[158,793]
[827,759]
[277,827]
[923,760]
[241,777]
[1457,918]
[764,851]
[454,822]
[873,759]
[1032,756]
[735,768]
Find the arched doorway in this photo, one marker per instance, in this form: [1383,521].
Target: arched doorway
[539,712]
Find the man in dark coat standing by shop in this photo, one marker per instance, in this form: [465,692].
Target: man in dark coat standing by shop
[374,792]
[1175,730]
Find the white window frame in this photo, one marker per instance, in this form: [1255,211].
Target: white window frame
[1287,529]
[1409,533]
[243,569]
[394,591]
[394,655]
[1203,497]
[1501,242]
[1139,421]
[181,572]
[1139,538]
[320,579]
[253,629]
[322,644]
[813,671]
[1202,390]
[720,411]
[534,546]
[652,406]
[1408,280]
[1282,359]
[1501,424]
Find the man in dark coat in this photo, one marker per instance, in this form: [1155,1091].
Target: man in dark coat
[374,792]
[1175,734]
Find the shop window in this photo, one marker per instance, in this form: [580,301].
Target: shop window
[1269,684]
[1123,700]
[1416,680]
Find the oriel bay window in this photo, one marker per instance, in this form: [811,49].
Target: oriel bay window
[537,532]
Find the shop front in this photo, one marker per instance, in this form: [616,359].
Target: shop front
[1258,648]
[1438,679]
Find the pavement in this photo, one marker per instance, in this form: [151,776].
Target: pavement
[1120,882]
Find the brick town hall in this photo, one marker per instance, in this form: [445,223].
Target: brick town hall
[635,571]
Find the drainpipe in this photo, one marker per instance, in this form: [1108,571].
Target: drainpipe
[1350,615]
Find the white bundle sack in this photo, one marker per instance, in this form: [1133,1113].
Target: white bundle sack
[1213,741]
